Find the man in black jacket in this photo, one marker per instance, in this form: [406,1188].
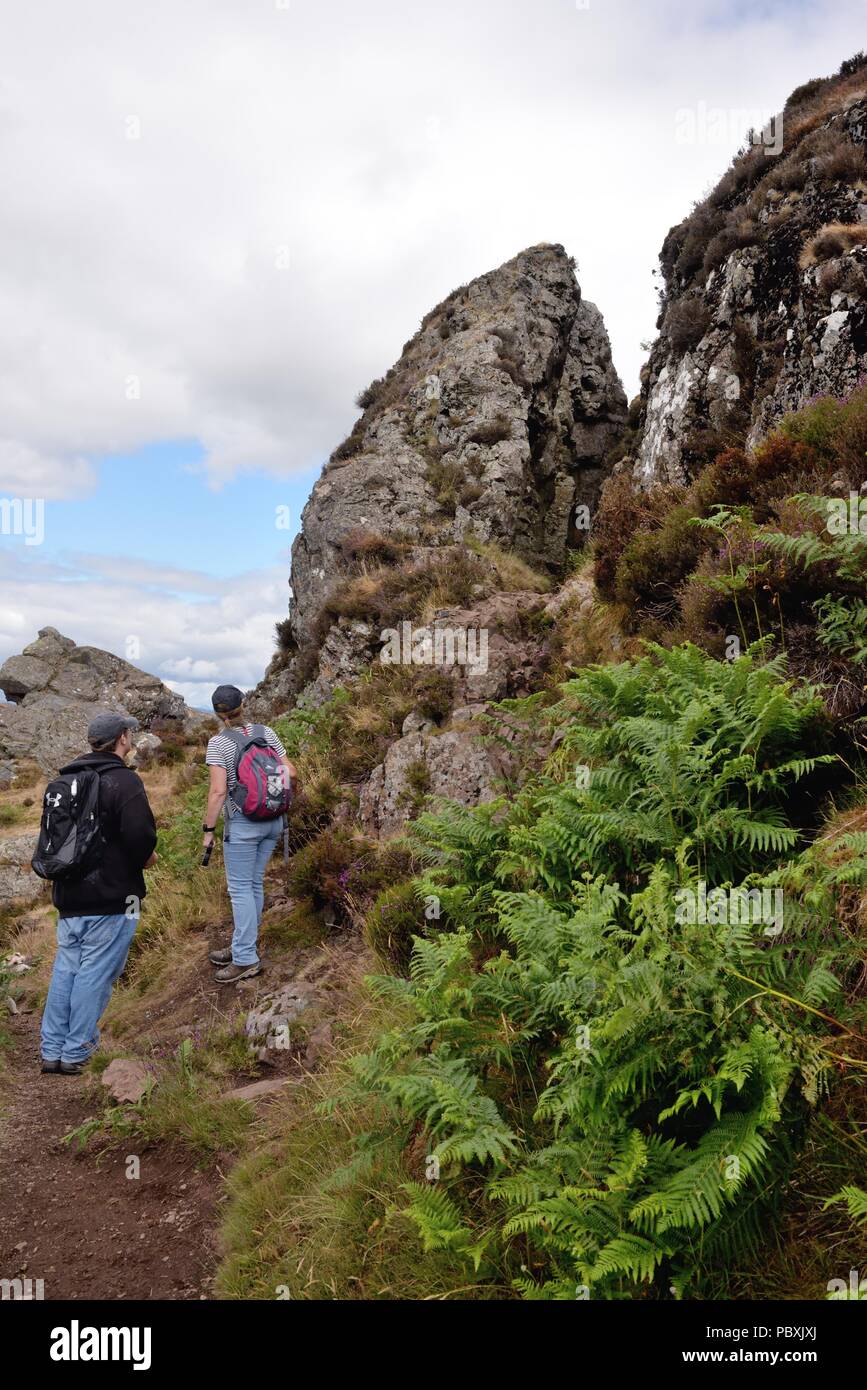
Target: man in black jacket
[98,913]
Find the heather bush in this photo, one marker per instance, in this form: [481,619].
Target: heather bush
[339,873]
[686,323]
[654,563]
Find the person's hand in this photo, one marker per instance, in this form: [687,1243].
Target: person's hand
[152,860]
[208,840]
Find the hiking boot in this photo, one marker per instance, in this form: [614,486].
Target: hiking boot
[223,957]
[50,1064]
[233,973]
[71,1068]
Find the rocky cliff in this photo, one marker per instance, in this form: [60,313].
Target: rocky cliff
[485,447]
[55,688]
[497,422]
[764,285]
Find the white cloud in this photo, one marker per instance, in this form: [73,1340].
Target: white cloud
[226,637]
[222,218]
[25,472]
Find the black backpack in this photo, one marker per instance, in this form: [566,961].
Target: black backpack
[69,833]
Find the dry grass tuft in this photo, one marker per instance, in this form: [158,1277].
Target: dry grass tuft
[835,239]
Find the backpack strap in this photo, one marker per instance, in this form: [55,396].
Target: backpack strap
[241,742]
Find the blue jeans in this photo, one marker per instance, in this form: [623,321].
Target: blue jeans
[246,852]
[91,953]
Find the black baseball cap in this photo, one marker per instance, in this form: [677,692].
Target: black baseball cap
[227,698]
[107,728]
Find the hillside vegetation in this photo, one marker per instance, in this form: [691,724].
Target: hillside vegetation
[569,1089]
[604,1036]
[575,950]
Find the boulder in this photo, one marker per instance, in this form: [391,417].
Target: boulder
[319,1044]
[268,1024]
[56,688]
[16,964]
[126,1079]
[259,1090]
[18,882]
[510,646]
[144,747]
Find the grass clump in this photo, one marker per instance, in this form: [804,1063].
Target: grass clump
[394,918]
[340,743]
[512,571]
[410,591]
[182,1105]
[834,239]
[311,1217]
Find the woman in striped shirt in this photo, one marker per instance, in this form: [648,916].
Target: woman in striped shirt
[247,844]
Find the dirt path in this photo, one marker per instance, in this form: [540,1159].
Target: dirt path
[77,1221]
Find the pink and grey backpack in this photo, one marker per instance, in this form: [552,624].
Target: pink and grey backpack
[262,791]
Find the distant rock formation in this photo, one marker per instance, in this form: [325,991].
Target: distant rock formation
[18,882]
[765,301]
[56,688]
[501,417]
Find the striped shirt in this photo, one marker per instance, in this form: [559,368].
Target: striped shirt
[222,752]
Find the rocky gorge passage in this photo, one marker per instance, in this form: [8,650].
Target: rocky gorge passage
[453,504]
[504,417]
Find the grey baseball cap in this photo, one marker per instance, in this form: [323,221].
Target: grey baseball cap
[107,728]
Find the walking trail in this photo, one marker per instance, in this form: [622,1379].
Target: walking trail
[76,1220]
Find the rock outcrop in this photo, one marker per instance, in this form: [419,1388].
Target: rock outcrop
[765,303]
[55,688]
[18,882]
[497,423]
[452,762]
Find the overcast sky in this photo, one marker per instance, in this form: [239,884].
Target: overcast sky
[222,218]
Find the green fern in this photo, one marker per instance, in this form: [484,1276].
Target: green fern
[624,1087]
